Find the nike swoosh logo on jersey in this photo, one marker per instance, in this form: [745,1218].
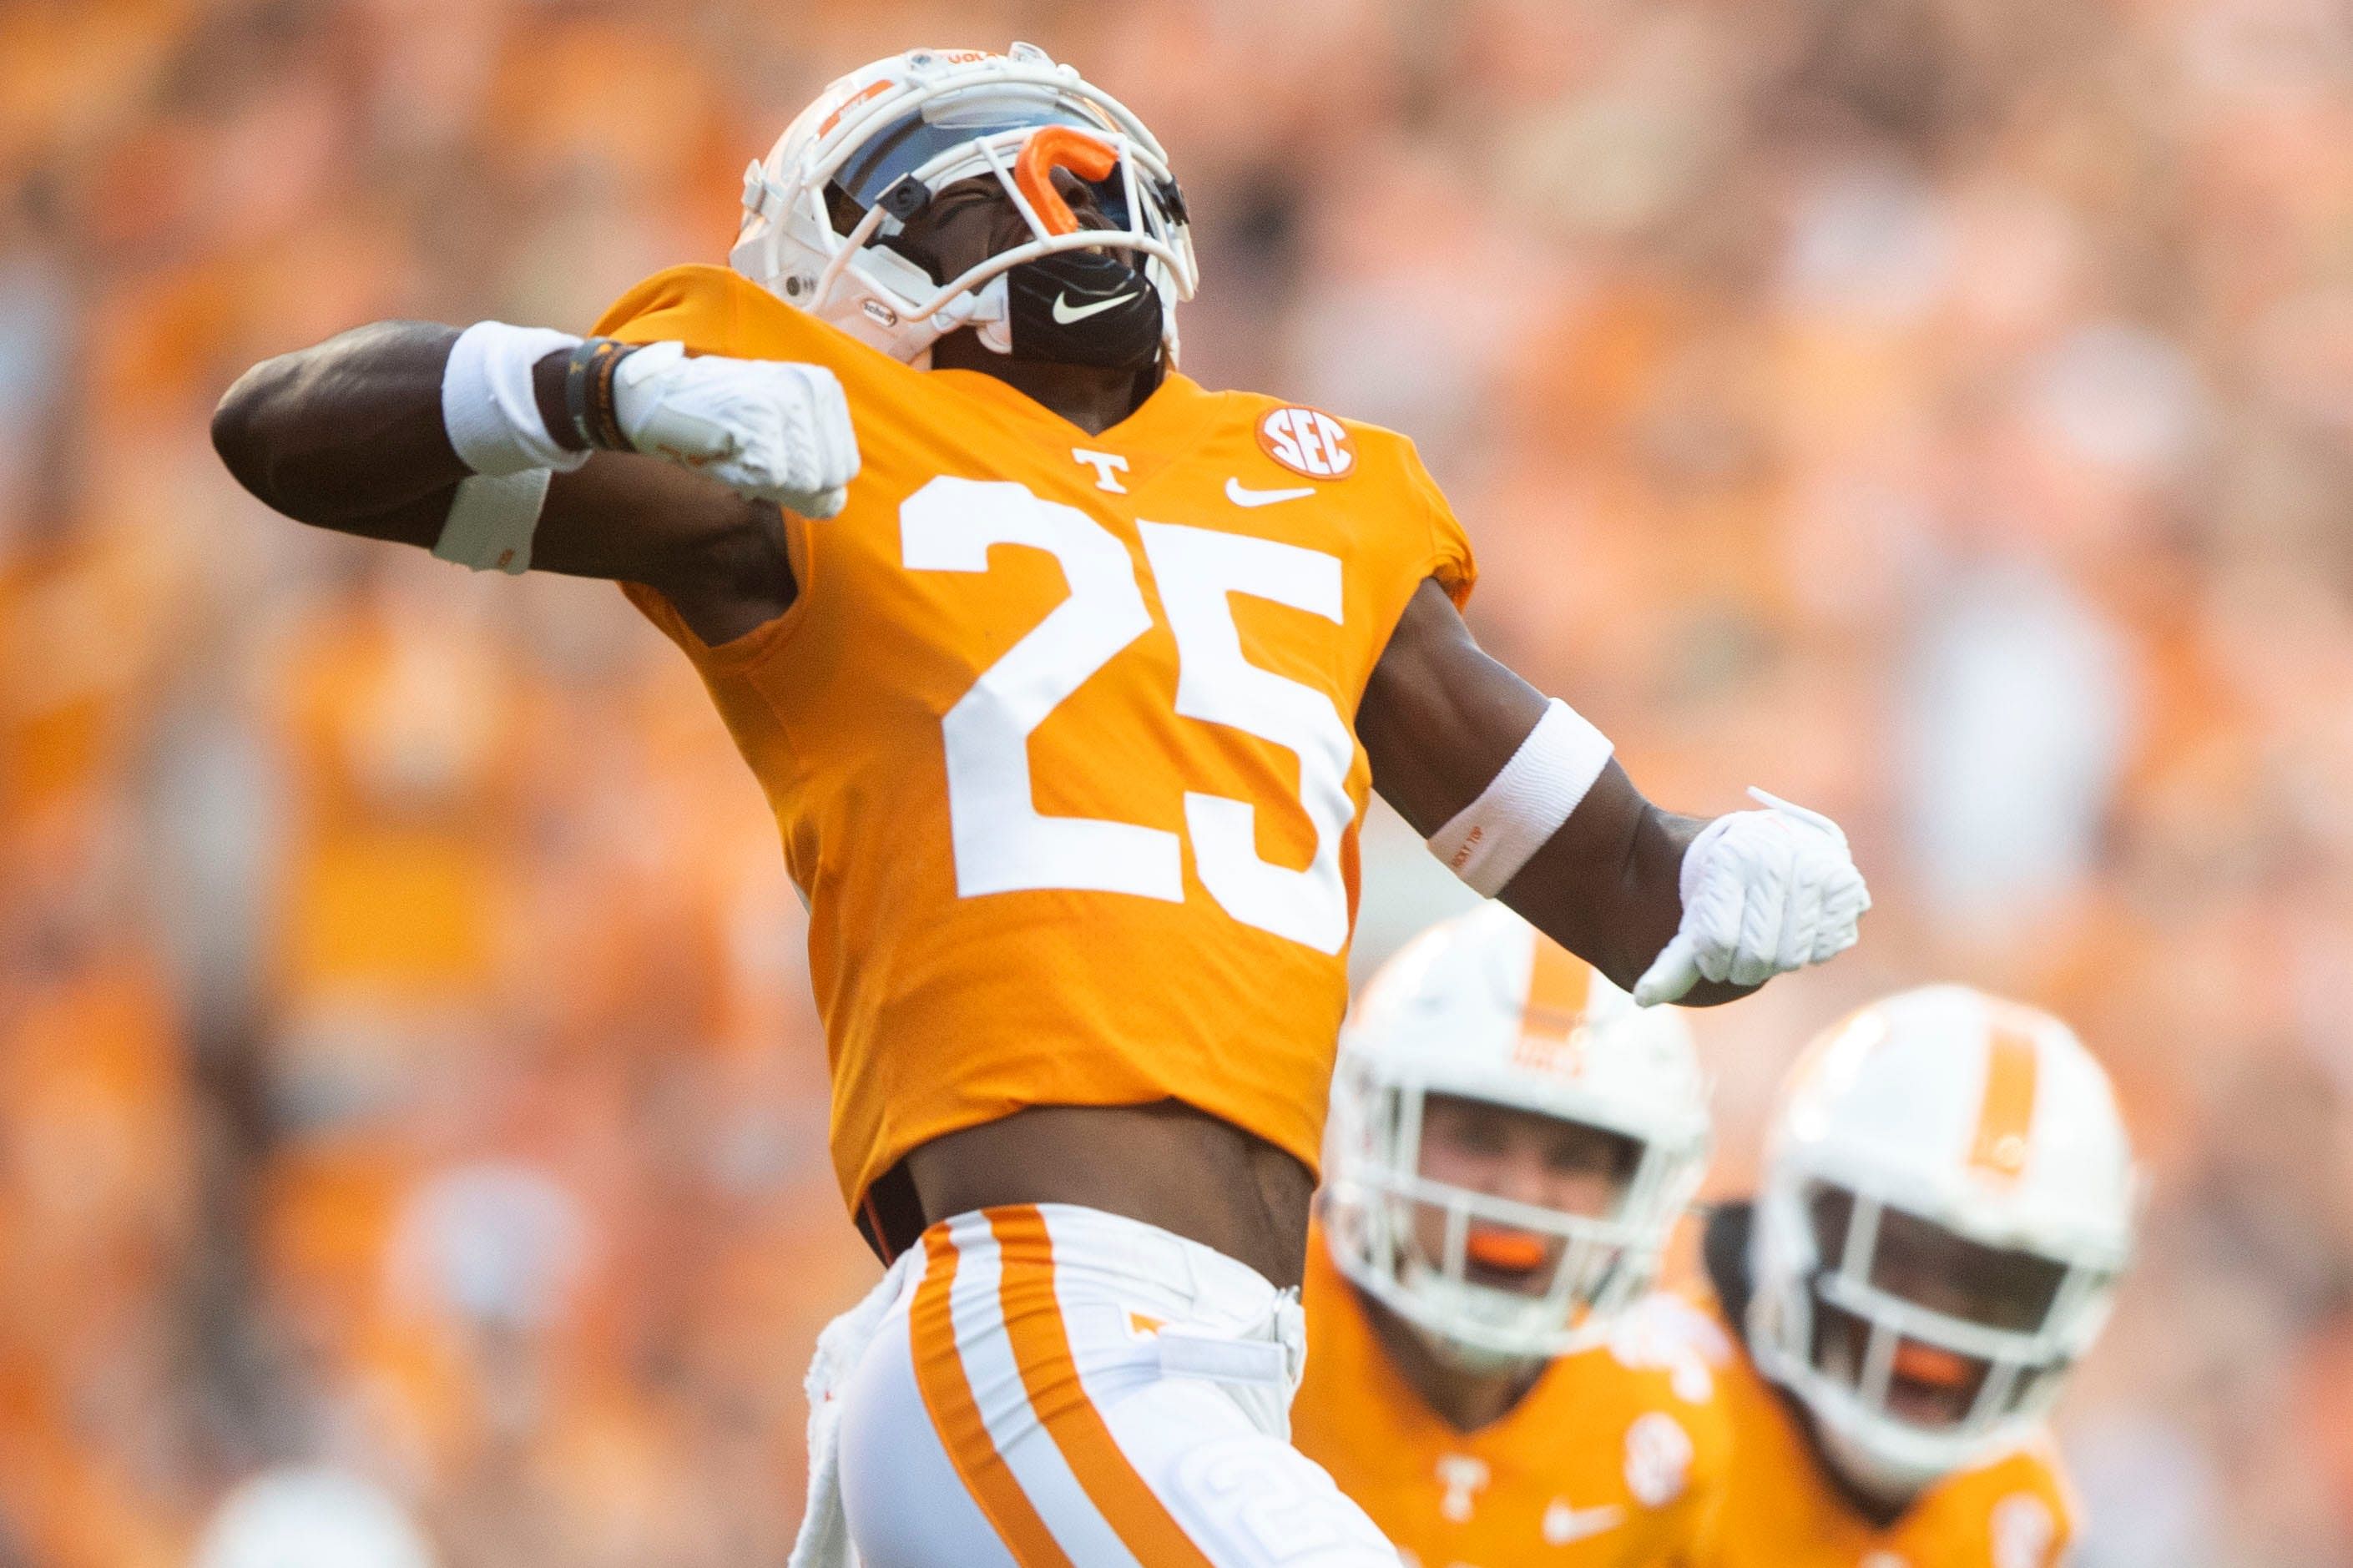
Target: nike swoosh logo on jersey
[1563,1524]
[1240,496]
[1065,314]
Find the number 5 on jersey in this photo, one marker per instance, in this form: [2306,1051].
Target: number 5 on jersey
[1002,843]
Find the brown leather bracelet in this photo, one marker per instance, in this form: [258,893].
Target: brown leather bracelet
[589,393]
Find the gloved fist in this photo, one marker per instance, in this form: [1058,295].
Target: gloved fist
[1764,892]
[768,428]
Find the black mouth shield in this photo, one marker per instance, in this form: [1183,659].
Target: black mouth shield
[1083,306]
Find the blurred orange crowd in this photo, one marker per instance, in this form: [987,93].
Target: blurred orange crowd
[1940,411]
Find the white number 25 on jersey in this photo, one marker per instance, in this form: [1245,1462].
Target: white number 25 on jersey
[1002,843]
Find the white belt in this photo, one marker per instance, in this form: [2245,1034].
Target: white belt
[1259,1368]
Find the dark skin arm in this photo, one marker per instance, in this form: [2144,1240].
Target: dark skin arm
[1439,719]
[348,436]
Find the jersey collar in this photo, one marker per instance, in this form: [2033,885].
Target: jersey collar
[1163,426]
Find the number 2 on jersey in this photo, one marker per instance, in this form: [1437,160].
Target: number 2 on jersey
[1002,842]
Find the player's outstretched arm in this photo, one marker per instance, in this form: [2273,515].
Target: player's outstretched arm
[504,447]
[1523,800]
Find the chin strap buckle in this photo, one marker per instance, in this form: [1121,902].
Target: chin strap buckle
[985,307]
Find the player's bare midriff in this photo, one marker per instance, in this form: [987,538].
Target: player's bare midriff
[1234,1193]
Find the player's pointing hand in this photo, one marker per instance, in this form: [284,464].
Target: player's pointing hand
[1764,892]
[768,428]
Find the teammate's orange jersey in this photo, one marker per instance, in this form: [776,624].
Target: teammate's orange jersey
[1618,1454]
[1058,733]
[1783,1509]
[1783,1512]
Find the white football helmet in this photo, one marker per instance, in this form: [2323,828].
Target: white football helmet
[1947,1200]
[879,142]
[1484,1007]
[306,1516]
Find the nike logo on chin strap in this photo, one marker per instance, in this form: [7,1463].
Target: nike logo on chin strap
[1236,493]
[1065,314]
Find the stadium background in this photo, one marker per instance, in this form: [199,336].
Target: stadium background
[1941,410]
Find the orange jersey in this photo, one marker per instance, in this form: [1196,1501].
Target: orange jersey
[1616,1456]
[1059,734]
[1783,1510]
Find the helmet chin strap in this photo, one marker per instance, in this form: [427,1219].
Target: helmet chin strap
[983,309]
[1867,1472]
[1472,1360]
[1457,1298]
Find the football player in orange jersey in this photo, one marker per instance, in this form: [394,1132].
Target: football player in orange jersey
[1068,710]
[1947,1200]
[1511,1142]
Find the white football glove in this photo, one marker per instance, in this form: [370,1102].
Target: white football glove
[768,428]
[1764,892]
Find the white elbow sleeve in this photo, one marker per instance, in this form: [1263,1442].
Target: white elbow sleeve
[489,405]
[492,520]
[1489,840]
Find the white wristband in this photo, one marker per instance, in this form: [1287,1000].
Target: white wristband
[489,405]
[1489,840]
[491,521]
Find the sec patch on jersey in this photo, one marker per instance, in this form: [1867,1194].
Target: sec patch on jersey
[1307,441]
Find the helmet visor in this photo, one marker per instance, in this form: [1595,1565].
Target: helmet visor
[1917,1260]
[922,135]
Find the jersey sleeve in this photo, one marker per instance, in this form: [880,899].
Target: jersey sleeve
[1450,559]
[752,648]
[713,310]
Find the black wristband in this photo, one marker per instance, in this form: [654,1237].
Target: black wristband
[589,393]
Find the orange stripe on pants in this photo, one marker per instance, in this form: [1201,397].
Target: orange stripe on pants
[1041,1347]
[955,1417]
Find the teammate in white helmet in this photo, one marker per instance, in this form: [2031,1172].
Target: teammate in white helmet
[1489,1372]
[1068,680]
[1947,1202]
[307,1517]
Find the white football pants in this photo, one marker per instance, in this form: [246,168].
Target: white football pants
[1058,1387]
